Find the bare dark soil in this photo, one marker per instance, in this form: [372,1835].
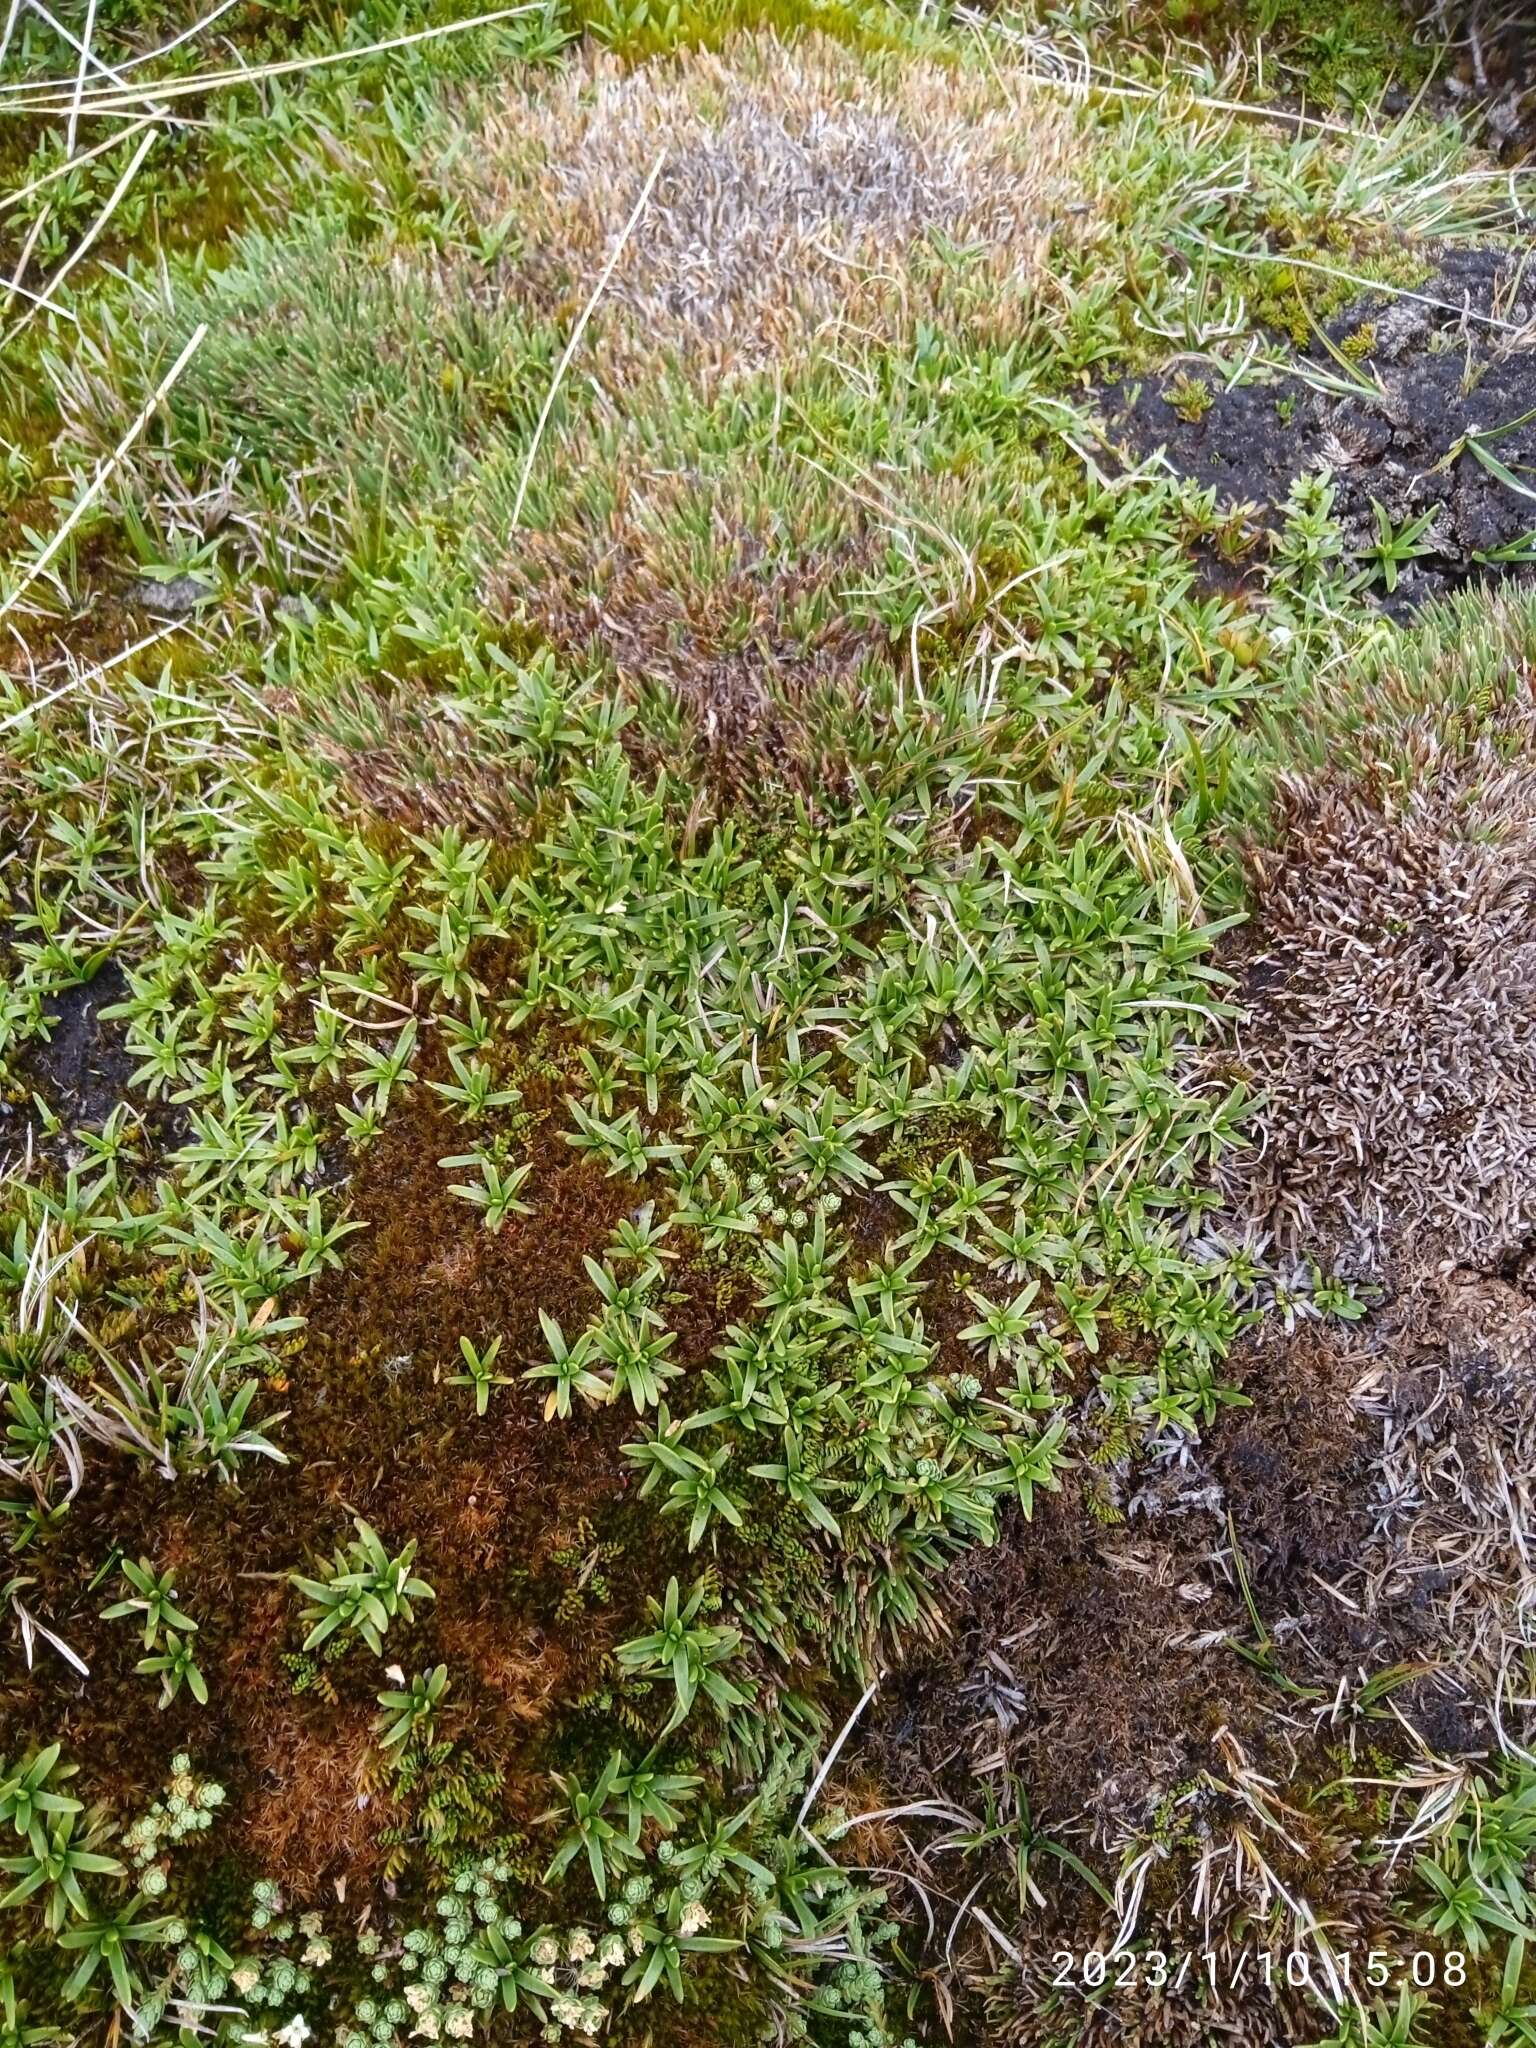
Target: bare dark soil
[1441,373]
[81,1068]
[1494,77]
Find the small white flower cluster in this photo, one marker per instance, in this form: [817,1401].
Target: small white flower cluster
[317,1944]
[441,1979]
[578,1965]
[186,1809]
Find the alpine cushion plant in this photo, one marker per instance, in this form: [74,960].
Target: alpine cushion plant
[408,1712]
[152,1595]
[479,1372]
[30,1796]
[107,1943]
[52,1865]
[363,1590]
[592,1833]
[175,1665]
[688,1651]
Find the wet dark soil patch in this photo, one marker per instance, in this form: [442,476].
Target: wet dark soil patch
[1430,377]
[81,1069]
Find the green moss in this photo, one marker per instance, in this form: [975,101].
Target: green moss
[1348,53]
[639,29]
[1190,397]
[1311,280]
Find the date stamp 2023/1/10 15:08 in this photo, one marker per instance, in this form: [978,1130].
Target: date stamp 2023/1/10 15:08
[1337,1974]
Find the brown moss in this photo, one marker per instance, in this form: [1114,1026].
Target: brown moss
[374,1429]
[748,637]
[523,1675]
[316,1800]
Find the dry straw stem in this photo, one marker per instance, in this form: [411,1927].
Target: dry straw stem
[104,470]
[116,71]
[1415,200]
[130,99]
[87,241]
[577,332]
[88,61]
[805,186]
[1073,70]
[14,288]
[80,158]
[1339,275]
[81,680]
[85,59]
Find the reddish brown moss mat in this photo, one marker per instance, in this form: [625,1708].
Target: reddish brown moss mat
[513,1517]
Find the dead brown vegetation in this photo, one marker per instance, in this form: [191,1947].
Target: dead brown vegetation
[1391,1025]
[744,627]
[801,184]
[407,753]
[1217,1716]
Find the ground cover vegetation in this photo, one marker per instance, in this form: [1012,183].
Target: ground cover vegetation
[767,1082]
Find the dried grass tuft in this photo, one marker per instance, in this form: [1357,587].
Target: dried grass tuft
[1390,1021]
[1448,1564]
[740,628]
[799,184]
[1392,1000]
[414,757]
